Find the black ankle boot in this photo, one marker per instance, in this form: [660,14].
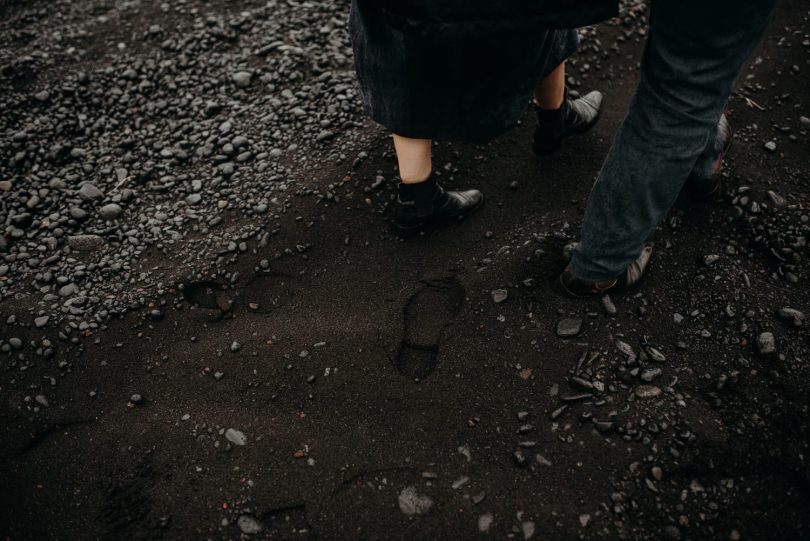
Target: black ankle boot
[427,203]
[574,116]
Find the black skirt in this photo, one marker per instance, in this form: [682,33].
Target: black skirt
[451,84]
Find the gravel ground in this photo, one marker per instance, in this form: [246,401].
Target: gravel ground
[206,331]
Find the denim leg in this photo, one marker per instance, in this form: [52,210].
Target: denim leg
[694,52]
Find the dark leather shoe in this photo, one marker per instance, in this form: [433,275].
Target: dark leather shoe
[703,188]
[412,217]
[575,116]
[575,287]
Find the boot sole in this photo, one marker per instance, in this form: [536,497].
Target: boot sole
[402,232]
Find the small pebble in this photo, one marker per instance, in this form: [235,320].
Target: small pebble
[236,437]
[569,327]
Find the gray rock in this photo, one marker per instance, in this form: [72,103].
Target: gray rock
[626,349]
[242,78]
[766,343]
[85,243]
[110,211]
[78,213]
[67,290]
[485,522]
[710,259]
[460,482]
[655,355]
[543,461]
[212,108]
[569,327]
[648,375]
[787,314]
[412,502]
[249,524]
[499,295]
[647,391]
[324,135]
[41,321]
[89,192]
[777,200]
[607,304]
[236,437]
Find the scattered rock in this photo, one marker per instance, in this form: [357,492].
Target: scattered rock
[777,200]
[499,295]
[655,354]
[110,211]
[236,437]
[249,524]
[766,343]
[86,243]
[485,522]
[710,259]
[647,391]
[650,374]
[89,192]
[543,461]
[242,78]
[412,502]
[567,328]
[607,304]
[797,317]
[626,349]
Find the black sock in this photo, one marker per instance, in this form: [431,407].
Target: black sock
[419,192]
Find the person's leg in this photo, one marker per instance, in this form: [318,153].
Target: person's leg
[693,55]
[413,156]
[549,92]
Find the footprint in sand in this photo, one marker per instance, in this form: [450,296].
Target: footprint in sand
[427,313]
[210,299]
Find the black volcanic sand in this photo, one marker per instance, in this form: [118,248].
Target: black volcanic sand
[374,377]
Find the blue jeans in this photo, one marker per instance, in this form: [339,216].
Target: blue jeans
[694,52]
